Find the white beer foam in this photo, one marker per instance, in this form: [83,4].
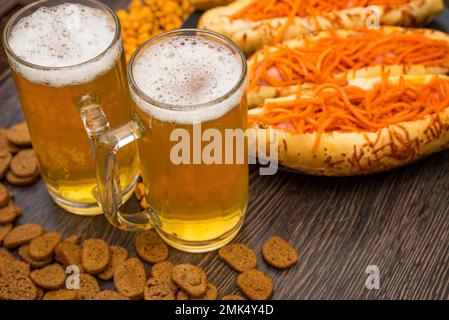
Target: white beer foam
[187,71]
[64,36]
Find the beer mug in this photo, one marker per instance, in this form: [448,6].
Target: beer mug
[189,90]
[61,52]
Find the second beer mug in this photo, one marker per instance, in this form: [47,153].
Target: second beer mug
[59,52]
[190,114]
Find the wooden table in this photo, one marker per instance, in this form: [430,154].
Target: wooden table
[397,220]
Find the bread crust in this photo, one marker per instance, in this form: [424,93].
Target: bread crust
[252,35]
[356,153]
[258,94]
[208,4]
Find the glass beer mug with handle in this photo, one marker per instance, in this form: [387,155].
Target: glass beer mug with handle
[188,84]
[60,51]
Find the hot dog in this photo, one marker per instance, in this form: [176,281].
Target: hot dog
[337,56]
[254,23]
[366,126]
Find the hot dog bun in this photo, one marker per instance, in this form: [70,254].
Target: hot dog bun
[258,93]
[252,35]
[208,4]
[355,153]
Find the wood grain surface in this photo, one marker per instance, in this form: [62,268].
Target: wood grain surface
[397,220]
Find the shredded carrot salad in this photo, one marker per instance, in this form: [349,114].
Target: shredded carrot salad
[269,9]
[321,60]
[352,109]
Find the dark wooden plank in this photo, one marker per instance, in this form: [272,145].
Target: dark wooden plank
[397,220]
[7,9]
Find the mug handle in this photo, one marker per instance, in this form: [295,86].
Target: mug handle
[105,143]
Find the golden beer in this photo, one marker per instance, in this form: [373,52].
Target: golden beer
[194,202]
[189,83]
[79,54]
[190,114]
